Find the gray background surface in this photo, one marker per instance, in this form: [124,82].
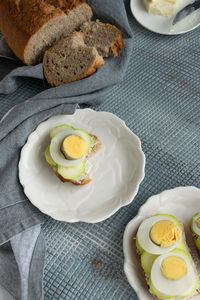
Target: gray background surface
[159,99]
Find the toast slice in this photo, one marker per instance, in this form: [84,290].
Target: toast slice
[144,257]
[84,178]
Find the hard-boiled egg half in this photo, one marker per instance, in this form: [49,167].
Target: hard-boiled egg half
[67,150]
[173,275]
[159,234]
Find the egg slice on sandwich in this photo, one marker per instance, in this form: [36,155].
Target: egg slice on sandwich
[159,234]
[173,276]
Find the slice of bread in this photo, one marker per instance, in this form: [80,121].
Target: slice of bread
[146,276]
[84,179]
[70,60]
[106,38]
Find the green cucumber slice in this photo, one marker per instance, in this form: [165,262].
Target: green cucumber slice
[49,158]
[147,261]
[86,136]
[197,242]
[181,246]
[72,172]
[59,129]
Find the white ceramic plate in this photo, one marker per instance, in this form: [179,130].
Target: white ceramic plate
[117,170]
[164,25]
[183,203]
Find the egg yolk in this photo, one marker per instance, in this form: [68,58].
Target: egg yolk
[173,268]
[164,233]
[198,222]
[74,147]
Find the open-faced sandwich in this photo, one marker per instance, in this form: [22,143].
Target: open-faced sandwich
[68,151]
[195,230]
[168,267]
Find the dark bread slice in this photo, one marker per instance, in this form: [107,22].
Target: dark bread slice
[70,60]
[106,38]
[189,253]
[96,146]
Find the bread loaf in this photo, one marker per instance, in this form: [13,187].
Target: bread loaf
[70,60]
[32,26]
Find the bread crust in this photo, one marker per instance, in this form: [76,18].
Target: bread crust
[118,44]
[143,273]
[86,180]
[20,20]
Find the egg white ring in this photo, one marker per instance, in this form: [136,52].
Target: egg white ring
[172,287]
[143,236]
[195,228]
[55,146]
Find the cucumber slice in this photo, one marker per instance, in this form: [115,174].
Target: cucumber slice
[49,158]
[181,246]
[147,261]
[197,242]
[86,136]
[181,252]
[72,172]
[59,129]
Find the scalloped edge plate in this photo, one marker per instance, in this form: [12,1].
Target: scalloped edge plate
[116,170]
[182,202]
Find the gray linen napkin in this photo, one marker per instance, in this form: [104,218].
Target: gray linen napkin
[22,245]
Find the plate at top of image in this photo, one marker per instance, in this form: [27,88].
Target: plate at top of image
[163,25]
[117,169]
[182,203]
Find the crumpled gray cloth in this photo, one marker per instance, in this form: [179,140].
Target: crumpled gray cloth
[22,250]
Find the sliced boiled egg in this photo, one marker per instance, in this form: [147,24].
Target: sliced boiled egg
[159,234]
[173,275]
[68,145]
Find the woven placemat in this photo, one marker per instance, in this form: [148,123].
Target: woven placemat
[159,99]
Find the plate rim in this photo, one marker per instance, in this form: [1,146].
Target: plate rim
[131,197]
[159,32]
[129,225]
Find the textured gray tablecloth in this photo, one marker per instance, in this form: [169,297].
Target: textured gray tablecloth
[22,251]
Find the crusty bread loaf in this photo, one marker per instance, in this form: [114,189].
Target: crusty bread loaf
[106,38]
[32,26]
[85,179]
[70,60]
[197,292]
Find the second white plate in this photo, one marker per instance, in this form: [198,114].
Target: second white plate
[163,25]
[116,172]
